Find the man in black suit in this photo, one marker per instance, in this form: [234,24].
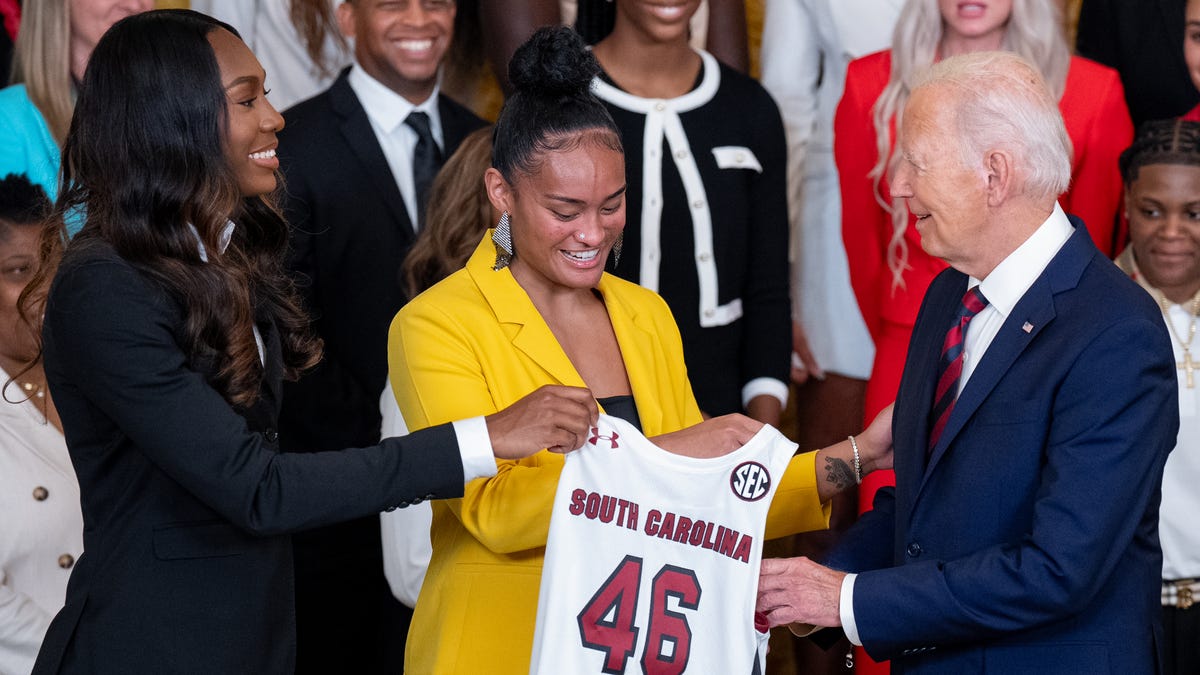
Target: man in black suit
[1143,41]
[357,160]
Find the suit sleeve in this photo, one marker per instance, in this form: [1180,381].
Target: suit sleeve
[437,376]
[865,224]
[112,336]
[1096,187]
[1113,446]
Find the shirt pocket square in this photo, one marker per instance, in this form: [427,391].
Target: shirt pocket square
[736,157]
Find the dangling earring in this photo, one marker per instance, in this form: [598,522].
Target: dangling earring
[614,254]
[502,238]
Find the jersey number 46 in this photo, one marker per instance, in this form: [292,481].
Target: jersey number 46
[606,623]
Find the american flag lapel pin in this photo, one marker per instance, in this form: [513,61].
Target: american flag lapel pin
[1028,327]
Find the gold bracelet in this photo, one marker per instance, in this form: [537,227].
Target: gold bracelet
[857,461]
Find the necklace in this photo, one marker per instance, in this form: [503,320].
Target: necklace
[1187,365]
[36,394]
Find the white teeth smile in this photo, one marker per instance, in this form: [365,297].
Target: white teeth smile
[582,256]
[415,45]
[265,154]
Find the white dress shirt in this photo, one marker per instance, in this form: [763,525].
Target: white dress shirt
[1180,498]
[1003,287]
[387,111]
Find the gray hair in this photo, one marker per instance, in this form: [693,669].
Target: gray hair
[1002,102]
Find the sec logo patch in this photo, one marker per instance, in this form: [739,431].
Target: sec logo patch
[750,481]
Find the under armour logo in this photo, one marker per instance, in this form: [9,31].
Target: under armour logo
[597,436]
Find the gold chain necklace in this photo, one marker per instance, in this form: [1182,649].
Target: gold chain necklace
[1187,365]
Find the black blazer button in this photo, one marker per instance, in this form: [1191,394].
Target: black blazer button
[914,550]
[271,435]
[40,493]
[66,561]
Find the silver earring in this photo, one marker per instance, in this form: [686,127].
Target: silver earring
[614,254]
[502,238]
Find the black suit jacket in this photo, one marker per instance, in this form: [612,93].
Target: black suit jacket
[186,501]
[350,232]
[1143,41]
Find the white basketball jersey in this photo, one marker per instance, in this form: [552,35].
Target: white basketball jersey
[653,558]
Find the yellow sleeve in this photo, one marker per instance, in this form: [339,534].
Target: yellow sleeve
[797,506]
[440,372]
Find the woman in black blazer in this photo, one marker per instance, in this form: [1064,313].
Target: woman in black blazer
[168,328]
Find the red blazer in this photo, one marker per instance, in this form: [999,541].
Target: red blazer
[1093,107]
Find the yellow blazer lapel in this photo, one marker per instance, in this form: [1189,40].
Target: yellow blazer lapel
[640,353]
[528,330]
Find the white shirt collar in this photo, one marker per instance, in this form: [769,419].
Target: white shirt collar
[222,241]
[1009,281]
[386,108]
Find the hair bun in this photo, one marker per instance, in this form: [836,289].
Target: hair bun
[553,62]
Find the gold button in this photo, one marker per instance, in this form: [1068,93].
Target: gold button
[66,561]
[40,493]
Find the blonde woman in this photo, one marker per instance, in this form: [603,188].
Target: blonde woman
[52,50]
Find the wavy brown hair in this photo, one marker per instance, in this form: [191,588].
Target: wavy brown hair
[144,161]
[456,217]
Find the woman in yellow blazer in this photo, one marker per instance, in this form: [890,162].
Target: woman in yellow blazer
[490,333]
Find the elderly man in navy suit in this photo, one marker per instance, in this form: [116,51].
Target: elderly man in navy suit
[358,161]
[1036,411]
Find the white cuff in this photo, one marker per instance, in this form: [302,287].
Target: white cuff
[846,609]
[475,446]
[765,385]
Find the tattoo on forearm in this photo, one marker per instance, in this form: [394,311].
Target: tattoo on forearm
[838,473]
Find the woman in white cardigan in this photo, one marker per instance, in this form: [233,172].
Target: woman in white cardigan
[41,527]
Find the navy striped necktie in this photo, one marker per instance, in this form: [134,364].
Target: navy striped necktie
[951,363]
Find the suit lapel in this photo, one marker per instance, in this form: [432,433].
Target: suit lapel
[1036,308]
[360,137]
[272,361]
[632,330]
[528,331]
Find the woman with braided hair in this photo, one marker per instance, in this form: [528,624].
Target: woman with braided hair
[1162,199]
